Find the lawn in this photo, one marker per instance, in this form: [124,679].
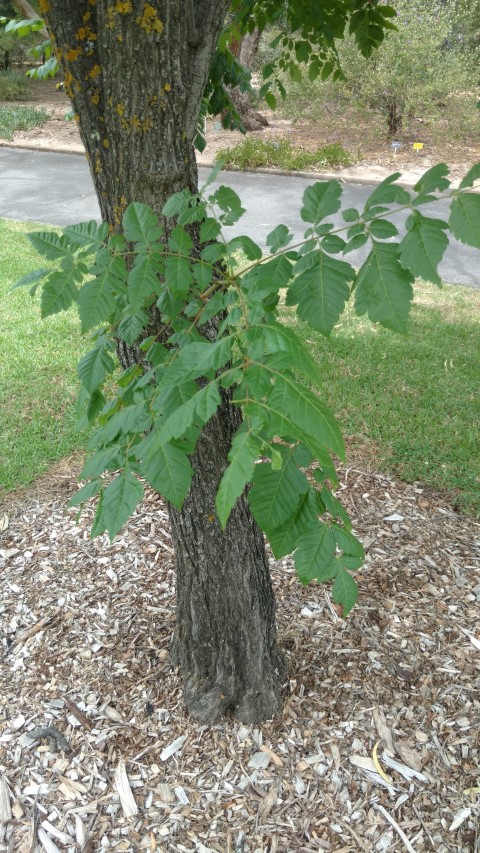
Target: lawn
[409,405]
[38,382]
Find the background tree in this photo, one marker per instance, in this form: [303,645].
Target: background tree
[138,75]
[424,69]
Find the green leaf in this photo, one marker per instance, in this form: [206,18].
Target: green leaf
[87,233]
[213,252]
[333,244]
[203,275]
[140,223]
[472,175]
[314,553]
[278,238]
[350,214]
[196,411]
[320,200]
[247,246]
[180,241]
[344,590]
[24,27]
[334,507]
[267,278]
[388,192]
[32,278]
[321,291]
[209,230]
[383,288]
[96,299]
[229,202]
[132,325]
[283,540]
[355,243]
[166,467]
[271,100]
[242,456]
[120,500]
[464,219]
[279,338]
[302,407]
[178,275]
[95,405]
[177,203]
[197,359]
[50,245]
[94,367]
[346,541]
[89,490]
[58,293]
[423,246]
[434,179]
[327,69]
[143,281]
[134,419]
[382,229]
[275,494]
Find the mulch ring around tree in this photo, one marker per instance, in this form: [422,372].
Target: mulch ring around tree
[377,745]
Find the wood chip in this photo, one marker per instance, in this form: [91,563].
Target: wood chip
[5,807]
[107,646]
[122,785]
[172,748]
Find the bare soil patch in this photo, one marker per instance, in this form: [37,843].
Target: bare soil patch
[367,145]
[85,632]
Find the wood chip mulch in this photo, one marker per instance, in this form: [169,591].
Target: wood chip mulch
[377,747]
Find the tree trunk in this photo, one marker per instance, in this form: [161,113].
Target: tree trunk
[246,50]
[225,638]
[136,80]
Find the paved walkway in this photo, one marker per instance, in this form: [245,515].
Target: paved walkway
[57,189]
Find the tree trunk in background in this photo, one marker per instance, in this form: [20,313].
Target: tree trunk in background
[246,52]
[136,74]
[27,11]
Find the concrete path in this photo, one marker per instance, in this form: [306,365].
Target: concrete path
[57,189]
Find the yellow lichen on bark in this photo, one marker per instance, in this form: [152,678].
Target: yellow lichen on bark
[149,20]
[71,54]
[95,71]
[119,209]
[44,6]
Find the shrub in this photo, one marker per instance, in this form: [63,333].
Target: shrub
[13,86]
[254,153]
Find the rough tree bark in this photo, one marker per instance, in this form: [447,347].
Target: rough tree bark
[136,74]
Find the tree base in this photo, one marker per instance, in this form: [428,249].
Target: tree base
[225,641]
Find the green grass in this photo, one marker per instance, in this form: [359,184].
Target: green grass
[20,118]
[253,153]
[411,405]
[38,382]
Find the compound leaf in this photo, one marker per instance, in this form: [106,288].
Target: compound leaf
[384,288]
